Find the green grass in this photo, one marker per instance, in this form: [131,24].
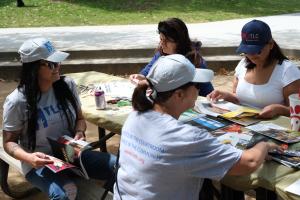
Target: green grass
[102,12]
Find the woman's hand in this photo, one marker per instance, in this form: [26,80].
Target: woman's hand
[79,135]
[39,159]
[218,94]
[135,78]
[273,110]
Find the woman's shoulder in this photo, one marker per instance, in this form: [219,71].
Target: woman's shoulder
[16,97]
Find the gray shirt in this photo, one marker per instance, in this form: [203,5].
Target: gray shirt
[162,158]
[51,120]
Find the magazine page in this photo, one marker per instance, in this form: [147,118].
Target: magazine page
[294,188]
[188,115]
[58,165]
[276,132]
[206,107]
[208,122]
[233,135]
[69,151]
[239,114]
[122,89]
[288,161]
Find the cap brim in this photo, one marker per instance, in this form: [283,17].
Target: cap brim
[57,56]
[203,76]
[249,49]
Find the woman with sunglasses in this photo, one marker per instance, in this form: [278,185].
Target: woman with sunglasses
[175,39]
[163,158]
[46,105]
[265,77]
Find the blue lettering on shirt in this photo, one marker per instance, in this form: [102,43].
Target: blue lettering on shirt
[47,113]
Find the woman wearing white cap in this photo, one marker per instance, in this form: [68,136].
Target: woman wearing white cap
[163,158]
[265,77]
[46,104]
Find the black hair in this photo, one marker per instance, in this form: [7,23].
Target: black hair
[141,103]
[275,54]
[29,86]
[175,29]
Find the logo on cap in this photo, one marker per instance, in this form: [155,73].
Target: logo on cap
[49,46]
[254,37]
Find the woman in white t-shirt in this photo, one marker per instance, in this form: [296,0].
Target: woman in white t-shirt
[163,158]
[265,77]
[46,105]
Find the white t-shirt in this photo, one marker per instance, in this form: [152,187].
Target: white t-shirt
[260,96]
[162,158]
[52,122]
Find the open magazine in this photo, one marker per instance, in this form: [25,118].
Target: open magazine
[67,155]
[288,158]
[239,114]
[276,132]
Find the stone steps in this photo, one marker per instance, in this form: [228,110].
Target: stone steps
[124,61]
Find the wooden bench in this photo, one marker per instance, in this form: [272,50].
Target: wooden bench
[87,189]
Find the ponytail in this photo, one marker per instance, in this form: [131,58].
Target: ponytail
[140,101]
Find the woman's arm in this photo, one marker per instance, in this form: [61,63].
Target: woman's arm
[147,68]
[273,110]
[252,158]
[11,146]
[80,127]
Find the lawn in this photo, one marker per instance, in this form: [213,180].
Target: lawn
[102,12]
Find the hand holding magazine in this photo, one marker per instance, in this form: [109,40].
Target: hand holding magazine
[67,155]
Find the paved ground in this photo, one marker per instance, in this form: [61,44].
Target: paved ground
[285,28]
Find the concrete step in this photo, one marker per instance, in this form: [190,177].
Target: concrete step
[116,66]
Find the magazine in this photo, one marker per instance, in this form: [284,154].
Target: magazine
[234,135]
[287,158]
[188,115]
[276,132]
[67,155]
[239,114]
[208,122]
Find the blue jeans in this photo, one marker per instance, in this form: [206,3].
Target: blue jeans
[98,165]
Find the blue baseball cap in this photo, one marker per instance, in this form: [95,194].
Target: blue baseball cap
[255,35]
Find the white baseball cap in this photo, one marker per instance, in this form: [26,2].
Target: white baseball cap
[172,71]
[40,49]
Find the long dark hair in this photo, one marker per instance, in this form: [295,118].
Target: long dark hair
[29,86]
[142,103]
[275,54]
[175,29]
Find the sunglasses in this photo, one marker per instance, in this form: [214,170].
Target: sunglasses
[51,65]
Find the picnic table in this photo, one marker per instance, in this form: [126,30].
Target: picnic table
[269,178]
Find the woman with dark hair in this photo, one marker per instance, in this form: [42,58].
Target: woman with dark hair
[175,39]
[46,105]
[163,158]
[265,77]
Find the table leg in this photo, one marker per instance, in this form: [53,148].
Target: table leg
[264,194]
[228,193]
[5,187]
[101,134]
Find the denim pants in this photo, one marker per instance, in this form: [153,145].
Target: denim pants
[59,186]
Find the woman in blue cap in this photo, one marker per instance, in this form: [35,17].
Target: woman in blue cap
[174,38]
[46,105]
[265,77]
